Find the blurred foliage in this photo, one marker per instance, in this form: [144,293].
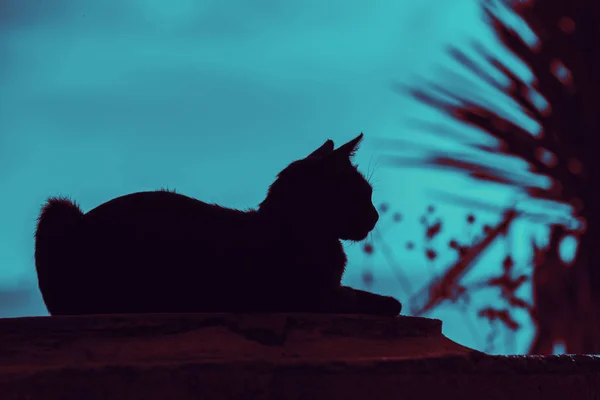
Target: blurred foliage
[446,280]
[557,42]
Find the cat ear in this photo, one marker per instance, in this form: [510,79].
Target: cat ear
[324,150]
[349,149]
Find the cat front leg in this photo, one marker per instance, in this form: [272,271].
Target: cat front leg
[346,300]
[374,304]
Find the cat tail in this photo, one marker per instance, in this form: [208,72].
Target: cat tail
[58,228]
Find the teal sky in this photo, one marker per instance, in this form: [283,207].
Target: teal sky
[212,98]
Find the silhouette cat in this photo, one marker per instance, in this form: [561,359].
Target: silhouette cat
[161,251]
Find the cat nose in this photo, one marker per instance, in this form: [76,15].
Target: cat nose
[375,216]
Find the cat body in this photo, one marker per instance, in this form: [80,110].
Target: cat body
[165,252]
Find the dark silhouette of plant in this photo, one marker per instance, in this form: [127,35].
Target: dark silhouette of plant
[558,44]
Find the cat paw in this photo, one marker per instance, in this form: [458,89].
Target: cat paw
[376,304]
[391,306]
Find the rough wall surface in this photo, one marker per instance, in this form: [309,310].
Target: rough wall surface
[224,356]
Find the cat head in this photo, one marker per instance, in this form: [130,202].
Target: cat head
[324,193]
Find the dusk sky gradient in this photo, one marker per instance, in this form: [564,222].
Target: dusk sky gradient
[213,98]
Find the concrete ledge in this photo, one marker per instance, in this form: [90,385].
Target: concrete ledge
[225,356]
